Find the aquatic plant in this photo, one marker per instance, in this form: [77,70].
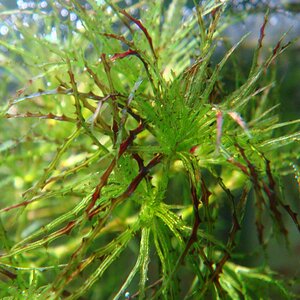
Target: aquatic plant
[123,146]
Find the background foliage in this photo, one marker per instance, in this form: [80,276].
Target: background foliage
[132,149]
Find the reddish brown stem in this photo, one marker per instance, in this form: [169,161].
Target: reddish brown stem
[136,181]
[104,178]
[129,140]
[102,183]
[41,116]
[123,55]
[142,27]
[262,31]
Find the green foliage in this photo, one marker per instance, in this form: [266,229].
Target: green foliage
[111,117]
